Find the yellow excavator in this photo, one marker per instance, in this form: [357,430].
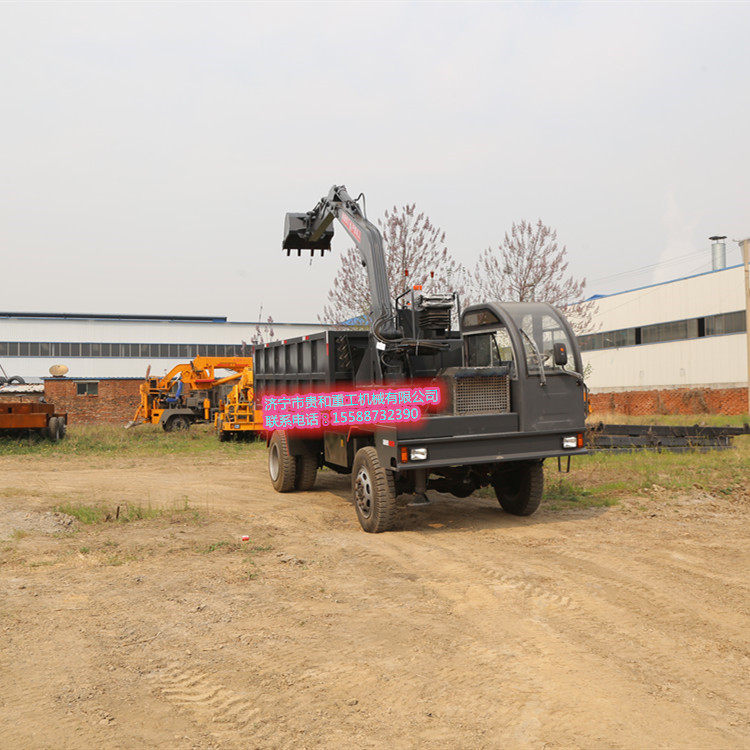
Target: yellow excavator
[237,416]
[189,393]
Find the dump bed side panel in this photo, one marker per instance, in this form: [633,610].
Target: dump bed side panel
[308,364]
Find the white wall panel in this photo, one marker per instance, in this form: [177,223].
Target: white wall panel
[717,361]
[708,294]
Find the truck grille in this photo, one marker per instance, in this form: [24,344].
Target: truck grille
[479,395]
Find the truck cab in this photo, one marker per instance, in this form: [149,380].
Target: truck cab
[535,344]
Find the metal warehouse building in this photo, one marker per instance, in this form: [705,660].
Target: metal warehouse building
[681,342]
[121,346]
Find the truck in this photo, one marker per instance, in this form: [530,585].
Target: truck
[416,403]
[189,393]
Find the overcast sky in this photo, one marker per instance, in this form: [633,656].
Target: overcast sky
[149,151]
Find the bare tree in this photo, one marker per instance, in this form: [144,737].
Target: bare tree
[530,266]
[262,335]
[412,244]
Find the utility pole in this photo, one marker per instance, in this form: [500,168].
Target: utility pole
[745,244]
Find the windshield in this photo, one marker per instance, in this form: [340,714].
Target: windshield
[490,349]
[540,334]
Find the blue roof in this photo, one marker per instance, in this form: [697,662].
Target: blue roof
[661,283]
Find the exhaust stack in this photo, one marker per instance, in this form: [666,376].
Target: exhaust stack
[718,252]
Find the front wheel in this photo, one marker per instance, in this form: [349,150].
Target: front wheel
[374,492]
[519,490]
[282,466]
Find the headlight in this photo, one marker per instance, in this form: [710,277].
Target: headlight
[570,442]
[418,454]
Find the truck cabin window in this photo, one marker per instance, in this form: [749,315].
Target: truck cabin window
[489,349]
[541,334]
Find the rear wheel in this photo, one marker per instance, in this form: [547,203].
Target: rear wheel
[373,491]
[282,466]
[519,490]
[53,429]
[307,470]
[177,424]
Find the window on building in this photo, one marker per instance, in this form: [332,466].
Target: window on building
[87,388]
[734,322]
[182,352]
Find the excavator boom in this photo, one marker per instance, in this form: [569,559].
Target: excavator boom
[312,231]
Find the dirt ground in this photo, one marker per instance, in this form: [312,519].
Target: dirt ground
[626,627]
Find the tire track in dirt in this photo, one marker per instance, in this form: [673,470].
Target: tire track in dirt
[627,626]
[200,694]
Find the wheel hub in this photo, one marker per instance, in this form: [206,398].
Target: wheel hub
[363,493]
[273,463]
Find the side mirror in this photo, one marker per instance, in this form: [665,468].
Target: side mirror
[560,355]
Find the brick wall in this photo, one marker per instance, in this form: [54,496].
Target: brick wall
[20,398]
[116,401]
[672,401]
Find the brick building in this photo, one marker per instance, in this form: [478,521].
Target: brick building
[91,400]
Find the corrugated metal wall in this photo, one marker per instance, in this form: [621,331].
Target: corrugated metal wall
[713,361]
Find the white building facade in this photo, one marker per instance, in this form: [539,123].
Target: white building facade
[686,333]
[112,346]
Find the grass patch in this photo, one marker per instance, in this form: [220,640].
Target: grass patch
[606,478]
[223,545]
[85,514]
[97,514]
[563,493]
[144,440]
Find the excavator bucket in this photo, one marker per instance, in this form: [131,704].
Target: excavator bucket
[297,235]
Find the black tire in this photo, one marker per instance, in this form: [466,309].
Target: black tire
[177,423]
[53,429]
[282,466]
[220,433]
[306,472]
[16,379]
[519,490]
[3,381]
[373,491]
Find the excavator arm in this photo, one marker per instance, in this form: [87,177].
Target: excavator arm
[312,231]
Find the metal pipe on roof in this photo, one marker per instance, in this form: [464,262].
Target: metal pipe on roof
[718,252]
